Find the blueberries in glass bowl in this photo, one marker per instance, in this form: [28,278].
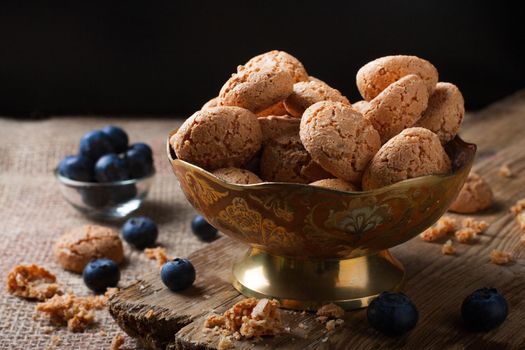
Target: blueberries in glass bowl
[108,178]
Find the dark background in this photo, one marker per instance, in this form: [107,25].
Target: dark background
[169,57]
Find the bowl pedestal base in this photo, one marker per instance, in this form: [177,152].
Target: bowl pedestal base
[302,284]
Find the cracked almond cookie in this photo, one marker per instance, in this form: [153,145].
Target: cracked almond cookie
[412,153]
[237,176]
[475,195]
[218,137]
[283,60]
[77,247]
[284,159]
[444,112]
[306,93]
[377,75]
[339,139]
[214,102]
[275,126]
[397,107]
[256,88]
[360,106]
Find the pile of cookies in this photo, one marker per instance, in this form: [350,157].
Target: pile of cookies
[273,122]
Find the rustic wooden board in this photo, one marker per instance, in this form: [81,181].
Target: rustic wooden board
[436,283]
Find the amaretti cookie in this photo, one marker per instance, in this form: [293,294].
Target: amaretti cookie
[339,139]
[475,195]
[218,137]
[306,93]
[237,176]
[214,102]
[360,106]
[414,152]
[336,184]
[274,126]
[276,109]
[256,88]
[283,61]
[75,248]
[376,75]
[398,106]
[285,159]
[444,113]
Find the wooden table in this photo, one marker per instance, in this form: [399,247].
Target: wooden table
[436,283]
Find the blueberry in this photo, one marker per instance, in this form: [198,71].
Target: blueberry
[110,168]
[139,162]
[392,313]
[202,229]
[140,231]
[143,148]
[178,274]
[95,144]
[117,136]
[484,309]
[77,168]
[101,274]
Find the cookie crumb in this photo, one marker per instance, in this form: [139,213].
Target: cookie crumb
[331,311]
[224,343]
[330,325]
[157,253]
[500,257]
[32,282]
[76,312]
[518,207]
[479,226]
[149,315]
[55,341]
[117,342]
[465,235]
[443,227]
[448,248]
[249,318]
[504,171]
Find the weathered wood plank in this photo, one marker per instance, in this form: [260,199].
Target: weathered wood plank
[436,283]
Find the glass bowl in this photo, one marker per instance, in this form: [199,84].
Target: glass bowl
[106,201]
[312,245]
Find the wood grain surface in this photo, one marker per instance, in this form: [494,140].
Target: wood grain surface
[436,283]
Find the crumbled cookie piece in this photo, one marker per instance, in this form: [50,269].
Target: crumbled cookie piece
[117,342]
[77,312]
[157,253]
[465,235]
[504,171]
[225,343]
[149,314]
[518,207]
[520,218]
[32,282]
[331,311]
[477,225]
[55,341]
[332,324]
[250,318]
[500,257]
[448,248]
[444,226]
[475,195]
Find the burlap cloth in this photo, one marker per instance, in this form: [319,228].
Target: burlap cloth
[33,214]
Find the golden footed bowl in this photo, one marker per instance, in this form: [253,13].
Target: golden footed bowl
[311,245]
